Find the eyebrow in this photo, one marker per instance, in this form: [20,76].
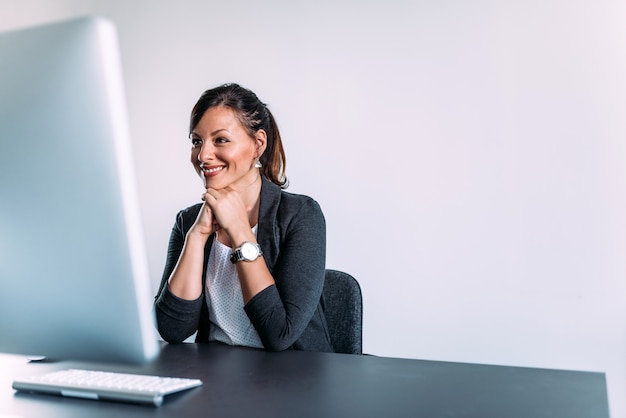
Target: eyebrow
[211,134]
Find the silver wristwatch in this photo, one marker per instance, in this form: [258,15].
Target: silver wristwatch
[248,251]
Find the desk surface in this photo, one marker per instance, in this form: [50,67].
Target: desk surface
[240,382]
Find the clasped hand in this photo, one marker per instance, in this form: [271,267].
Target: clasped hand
[222,210]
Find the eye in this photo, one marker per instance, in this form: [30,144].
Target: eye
[196,142]
[221,140]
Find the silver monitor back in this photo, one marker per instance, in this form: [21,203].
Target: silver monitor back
[74,280]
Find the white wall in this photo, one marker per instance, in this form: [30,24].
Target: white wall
[470,156]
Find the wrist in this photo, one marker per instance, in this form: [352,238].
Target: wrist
[195,234]
[239,235]
[239,239]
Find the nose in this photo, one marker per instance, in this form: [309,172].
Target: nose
[206,152]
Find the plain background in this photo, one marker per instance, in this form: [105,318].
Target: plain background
[470,156]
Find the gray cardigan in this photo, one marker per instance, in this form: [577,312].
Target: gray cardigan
[287,315]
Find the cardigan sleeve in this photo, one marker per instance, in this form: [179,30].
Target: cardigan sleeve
[176,318]
[282,312]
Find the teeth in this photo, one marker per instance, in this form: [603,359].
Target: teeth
[213,170]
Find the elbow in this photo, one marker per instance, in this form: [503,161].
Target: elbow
[279,341]
[172,337]
[171,334]
[172,330]
[277,346]
[176,320]
[175,336]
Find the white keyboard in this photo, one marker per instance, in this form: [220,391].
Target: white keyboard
[96,385]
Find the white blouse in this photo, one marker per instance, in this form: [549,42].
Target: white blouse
[229,322]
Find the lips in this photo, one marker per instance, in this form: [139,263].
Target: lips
[212,171]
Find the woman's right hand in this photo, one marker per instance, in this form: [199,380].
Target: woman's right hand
[186,278]
[205,223]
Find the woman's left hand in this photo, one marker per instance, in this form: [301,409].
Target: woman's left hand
[229,211]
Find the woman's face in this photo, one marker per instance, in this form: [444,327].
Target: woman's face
[222,152]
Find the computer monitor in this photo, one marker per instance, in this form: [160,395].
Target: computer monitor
[74,278]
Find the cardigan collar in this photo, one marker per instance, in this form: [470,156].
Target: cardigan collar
[267,234]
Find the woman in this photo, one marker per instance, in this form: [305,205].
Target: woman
[246,266]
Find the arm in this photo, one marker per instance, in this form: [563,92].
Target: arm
[178,315]
[281,312]
[234,221]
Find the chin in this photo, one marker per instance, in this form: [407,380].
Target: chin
[217,185]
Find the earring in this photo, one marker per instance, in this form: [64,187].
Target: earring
[258,164]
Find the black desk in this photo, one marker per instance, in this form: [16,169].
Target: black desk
[240,382]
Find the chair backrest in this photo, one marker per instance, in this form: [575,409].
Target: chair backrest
[343,308]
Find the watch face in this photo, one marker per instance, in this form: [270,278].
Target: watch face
[249,251]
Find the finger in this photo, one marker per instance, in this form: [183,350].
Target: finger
[206,216]
[210,198]
[211,193]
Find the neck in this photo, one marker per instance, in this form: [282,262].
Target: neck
[250,194]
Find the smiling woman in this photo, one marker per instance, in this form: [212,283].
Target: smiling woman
[246,266]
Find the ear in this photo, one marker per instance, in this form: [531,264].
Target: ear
[260,140]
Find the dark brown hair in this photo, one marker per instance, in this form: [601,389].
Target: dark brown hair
[253,115]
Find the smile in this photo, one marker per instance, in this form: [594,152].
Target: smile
[208,172]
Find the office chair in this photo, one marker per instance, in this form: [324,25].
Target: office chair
[343,308]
